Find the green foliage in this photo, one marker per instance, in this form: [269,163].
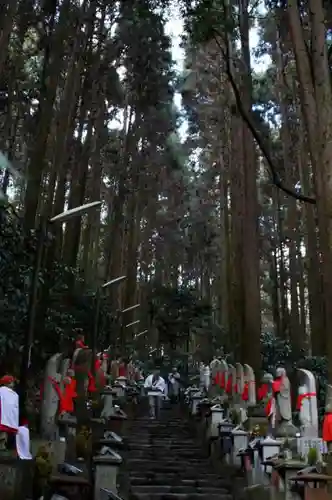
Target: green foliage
[176,313]
[205,19]
[279,352]
[64,312]
[312,456]
[274,352]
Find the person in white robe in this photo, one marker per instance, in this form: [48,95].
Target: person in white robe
[155,387]
[23,441]
[9,409]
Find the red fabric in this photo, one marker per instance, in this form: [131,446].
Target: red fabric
[229,385]
[268,407]
[245,393]
[223,380]
[92,383]
[262,392]
[80,344]
[122,370]
[66,403]
[101,373]
[217,379]
[7,379]
[68,396]
[56,387]
[327,427]
[4,428]
[301,397]
[276,385]
[9,430]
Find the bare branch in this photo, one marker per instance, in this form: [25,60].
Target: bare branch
[249,120]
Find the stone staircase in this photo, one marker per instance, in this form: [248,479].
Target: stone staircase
[164,460]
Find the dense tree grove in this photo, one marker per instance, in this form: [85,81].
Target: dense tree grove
[224,235]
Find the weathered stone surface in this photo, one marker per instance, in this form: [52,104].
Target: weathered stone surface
[165,460]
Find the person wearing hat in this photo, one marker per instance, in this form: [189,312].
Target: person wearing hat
[9,408]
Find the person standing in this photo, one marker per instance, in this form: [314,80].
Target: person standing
[174,385]
[155,387]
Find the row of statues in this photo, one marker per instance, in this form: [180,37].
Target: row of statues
[69,380]
[273,393]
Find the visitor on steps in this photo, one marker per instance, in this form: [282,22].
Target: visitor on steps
[156,388]
[174,385]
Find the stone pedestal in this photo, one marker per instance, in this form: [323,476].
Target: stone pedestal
[59,451]
[256,416]
[110,440]
[270,448]
[15,477]
[107,398]
[286,430]
[117,422]
[120,387]
[285,470]
[195,400]
[225,433]
[106,465]
[67,425]
[240,442]
[69,487]
[217,415]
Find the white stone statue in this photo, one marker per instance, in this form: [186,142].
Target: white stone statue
[201,374]
[239,378]
[269,403]
[223,373]
[307,403]
[63,370]
[207,377]
[50,399]
[232,375]
[214,366]
[104,363]
[283,396]
[249,378]
[283,403]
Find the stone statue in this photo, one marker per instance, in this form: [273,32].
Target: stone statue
[50,397]
[231,381]
[206,377]
[283,396]
[214,366]
[307,403]
[81,366]
[249,385]
[282,393]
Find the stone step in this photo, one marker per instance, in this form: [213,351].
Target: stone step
[166,461]
[172,480]
[187,475]
[182,489]
[157,441]
[179,496]
[146,448]
[150,456]
[170,465]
